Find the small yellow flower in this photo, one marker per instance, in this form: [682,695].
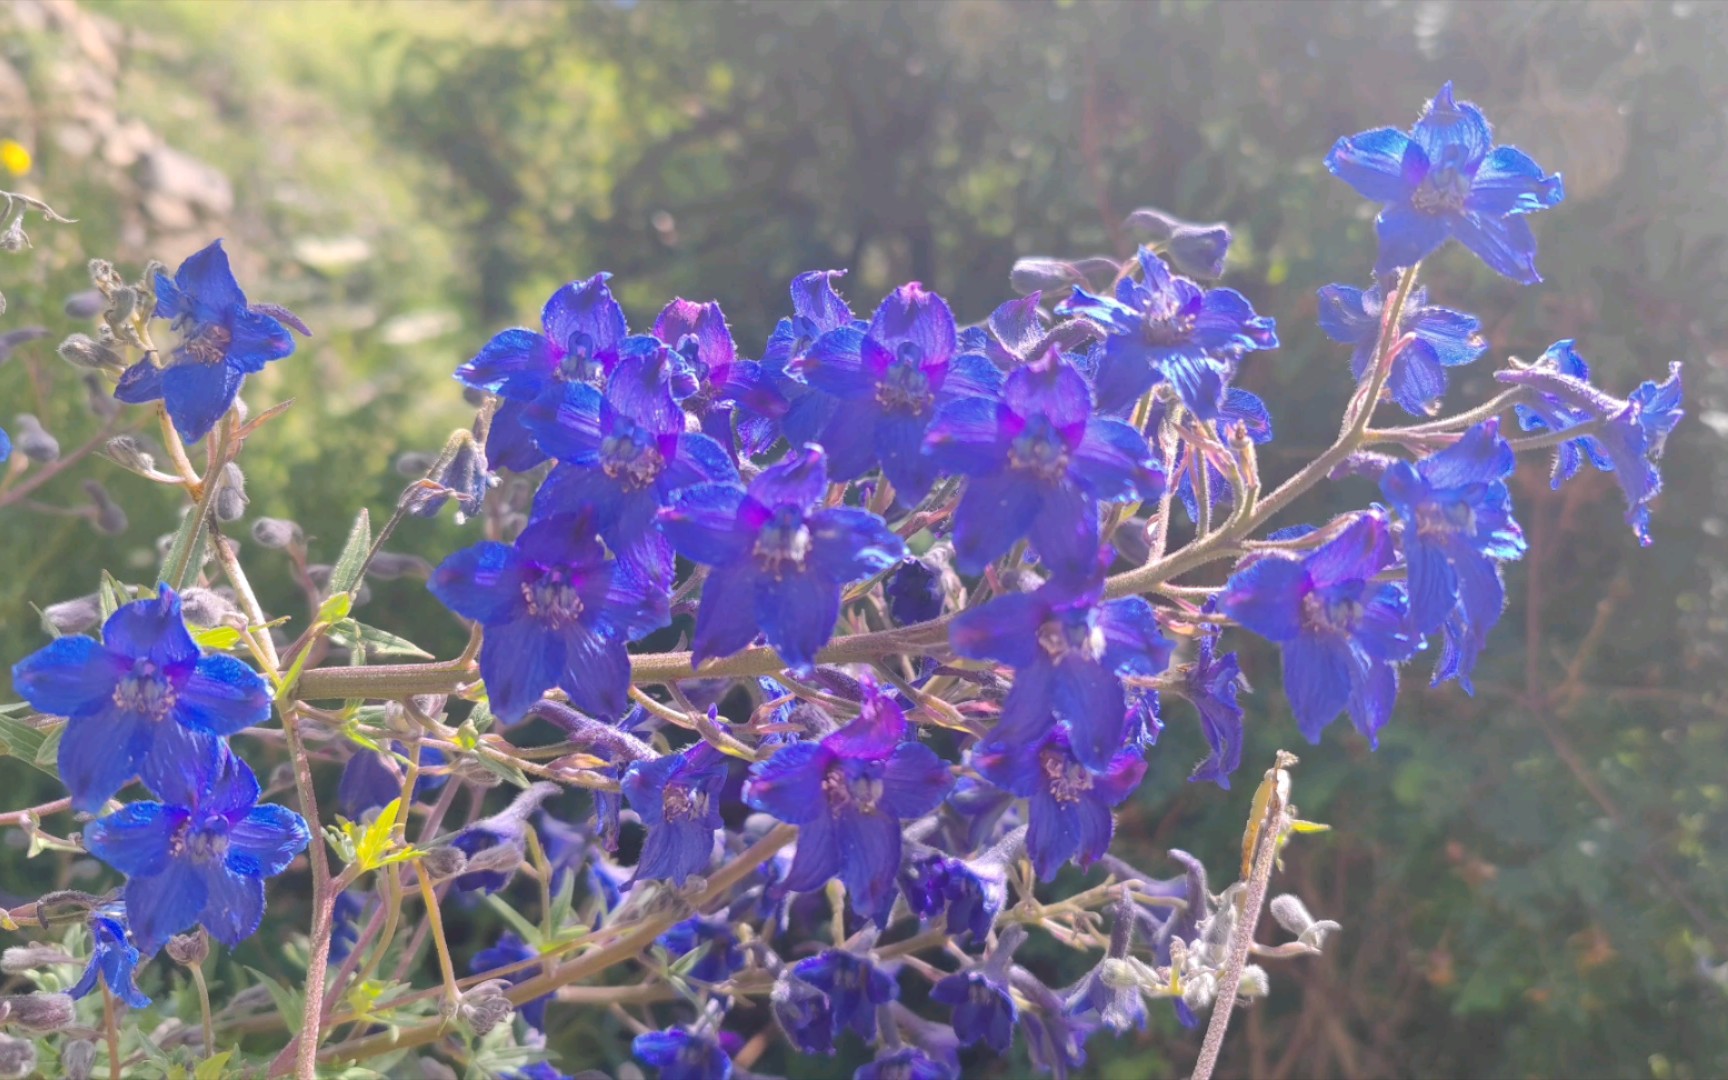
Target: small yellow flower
[14,158]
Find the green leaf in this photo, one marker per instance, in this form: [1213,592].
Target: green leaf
[527,931]
[288,1003]
[186,551]
[346,576]
[20,740]
[375,642]
[336,608]
[216,638]
[211,1068]
[503,769]
[49,752]
[112,595]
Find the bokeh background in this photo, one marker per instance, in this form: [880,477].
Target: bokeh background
[1532,880]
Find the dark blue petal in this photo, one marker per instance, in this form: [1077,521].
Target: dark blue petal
[1452,134]
[1265,596]
[1510,183]
[1372,163]
[519,661]
[582,314]
[99,753]
[1506,244]
[898,443]
[1064,532]
[834,364]
[1004,629]
[515,364]
[1090,698]
[70,676]
[209,291]
[914,315]
[509,443]
[596,673]
[165,903]
[256,339]
[565,421]
[797,613]
[1372,695]
[198,395]
[914,781]
[965,437]
[136,838]
[1317,677]
[140,383]
[222,697]
[265,841]
[1407,236]
[727,619]
[1343,316]
[482,582]
[801,480]
[1114,462]
[703,525]
[789,784]
[818,858]
[152,629]
[848,544]
[233,905]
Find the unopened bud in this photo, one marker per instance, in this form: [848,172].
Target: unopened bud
[34,440]
[18,959]
[17,1058]
[21,336]
[1255,982]
[444,862]
[484,1007]
[188,950]
[128,453]
[388,566]
[74,616]
[42,1012]
[15,239]
[231,495]
[78,1059]
[414,464]
[122,303]
[1036,274]
[207,607]
[276,533]
[1198,991]
[84,304]
[84,351]
[110,519]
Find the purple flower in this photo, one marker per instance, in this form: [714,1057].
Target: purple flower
[623,454]
[1447,179]
[200,856]
[711,379]
[1240,408]
[222,339]
[143,702]
[371,780]
[1070,804]
[816,309]
[1069,650]
[914,593]
[511,949]
[1444,338]
[1457,516]
[1170,328]
[971,894]
[724,956]
[583,328]
[779,558]
[1341,632]
[113,958]
[495,845]
[1010,335]
[1210,683]
[556,612]
[804,1013]
[848,794]
[5,445]
[983,1006]
[677,796]
[1040,464]
[906,1063]
[683,1055]
[854,985]
[345,913]
[891,378]
[1629,435]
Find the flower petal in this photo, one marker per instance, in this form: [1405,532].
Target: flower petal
[797,614]
[565,421]
[482,582]
[1407,236]
[582,315]
[515,364]
[154,629]
[727,619]
[1064,532]
[233,905]
[1317,677]
[703,525]
[165,903]
[848,544]
[98,754]
[596,673]
[266,840]
[1506,244]
[789,784]
[519,661]
[207,285]
[834,364]
[914,781]
[1004,629]
[222,697]
[994,512]
[1372,163]
[70,676]
[135,838]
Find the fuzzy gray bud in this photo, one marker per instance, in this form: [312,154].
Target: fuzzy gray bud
[444,862]
[110,519]
[35,441]
[1255,983]
[21,336]
[41,1012]
[1034,274]
[74,616]
[276,533]
[484,1007]
[78,1059]
[128,453]
[1199,991]
[17,1058]
[1293,916]
[84,304]
[388,566]
[231,495]
[18,959]
[188,950]
[414,464]
[207,607]
[15,239]
[84,351]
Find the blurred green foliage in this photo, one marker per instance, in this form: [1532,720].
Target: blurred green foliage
[1528,878]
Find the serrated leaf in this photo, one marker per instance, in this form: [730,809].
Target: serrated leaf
[288,1003]
[346,575]
[216,638]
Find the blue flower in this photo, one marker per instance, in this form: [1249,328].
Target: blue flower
[1627,437]
[1210,683]
[854,985]
[848,794]
[1169,328]
[816,309]
[1070,804]
[1447,179]
[511,949]
[724,956]
[144,702]
[779,558]
[1040,464]
[113,958]
[1443,338]
[1240,408]
[1055,1038]
[556,612]
[1011,335]
[892,377]
[1457,516]
[914,593]
[345,914]
[5,445]
[983,1007]
[540,1070]
[222,339]
[711,379]
[1069,650]
[906,1063]
[583,328]
[683,1055]
[804,1013]
[677,796]
[624,453]
[495,845]
[371,780]
[1341,632]
[200,856]
[971,894]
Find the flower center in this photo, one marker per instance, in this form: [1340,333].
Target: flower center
[681,803]
[905,387]
[1040,450]
[1164,327]
[631,455]
[1066,778]
[1437,520]
[205,842]
[784,542]
[1071,632]
[145,691]
[207,344]
[579,364]
[980,992]
[1442,191]
[552,597]
[1335,611]
[860,793]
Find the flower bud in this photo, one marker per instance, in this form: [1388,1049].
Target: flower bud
[74,616]
[444,862]
[231,493]
[484,1007]
[1034,274]
[1198,991]
[15,239]
[78,1059]
[276,533]
[388,566]
[18,959]
[414,464]
[128,453]
[1255,983]
[40,1012]
[21,336]
[84,351]
[34,440]
[84,304]
[17,1058]
[110,519]
[188,950]
[207,607]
